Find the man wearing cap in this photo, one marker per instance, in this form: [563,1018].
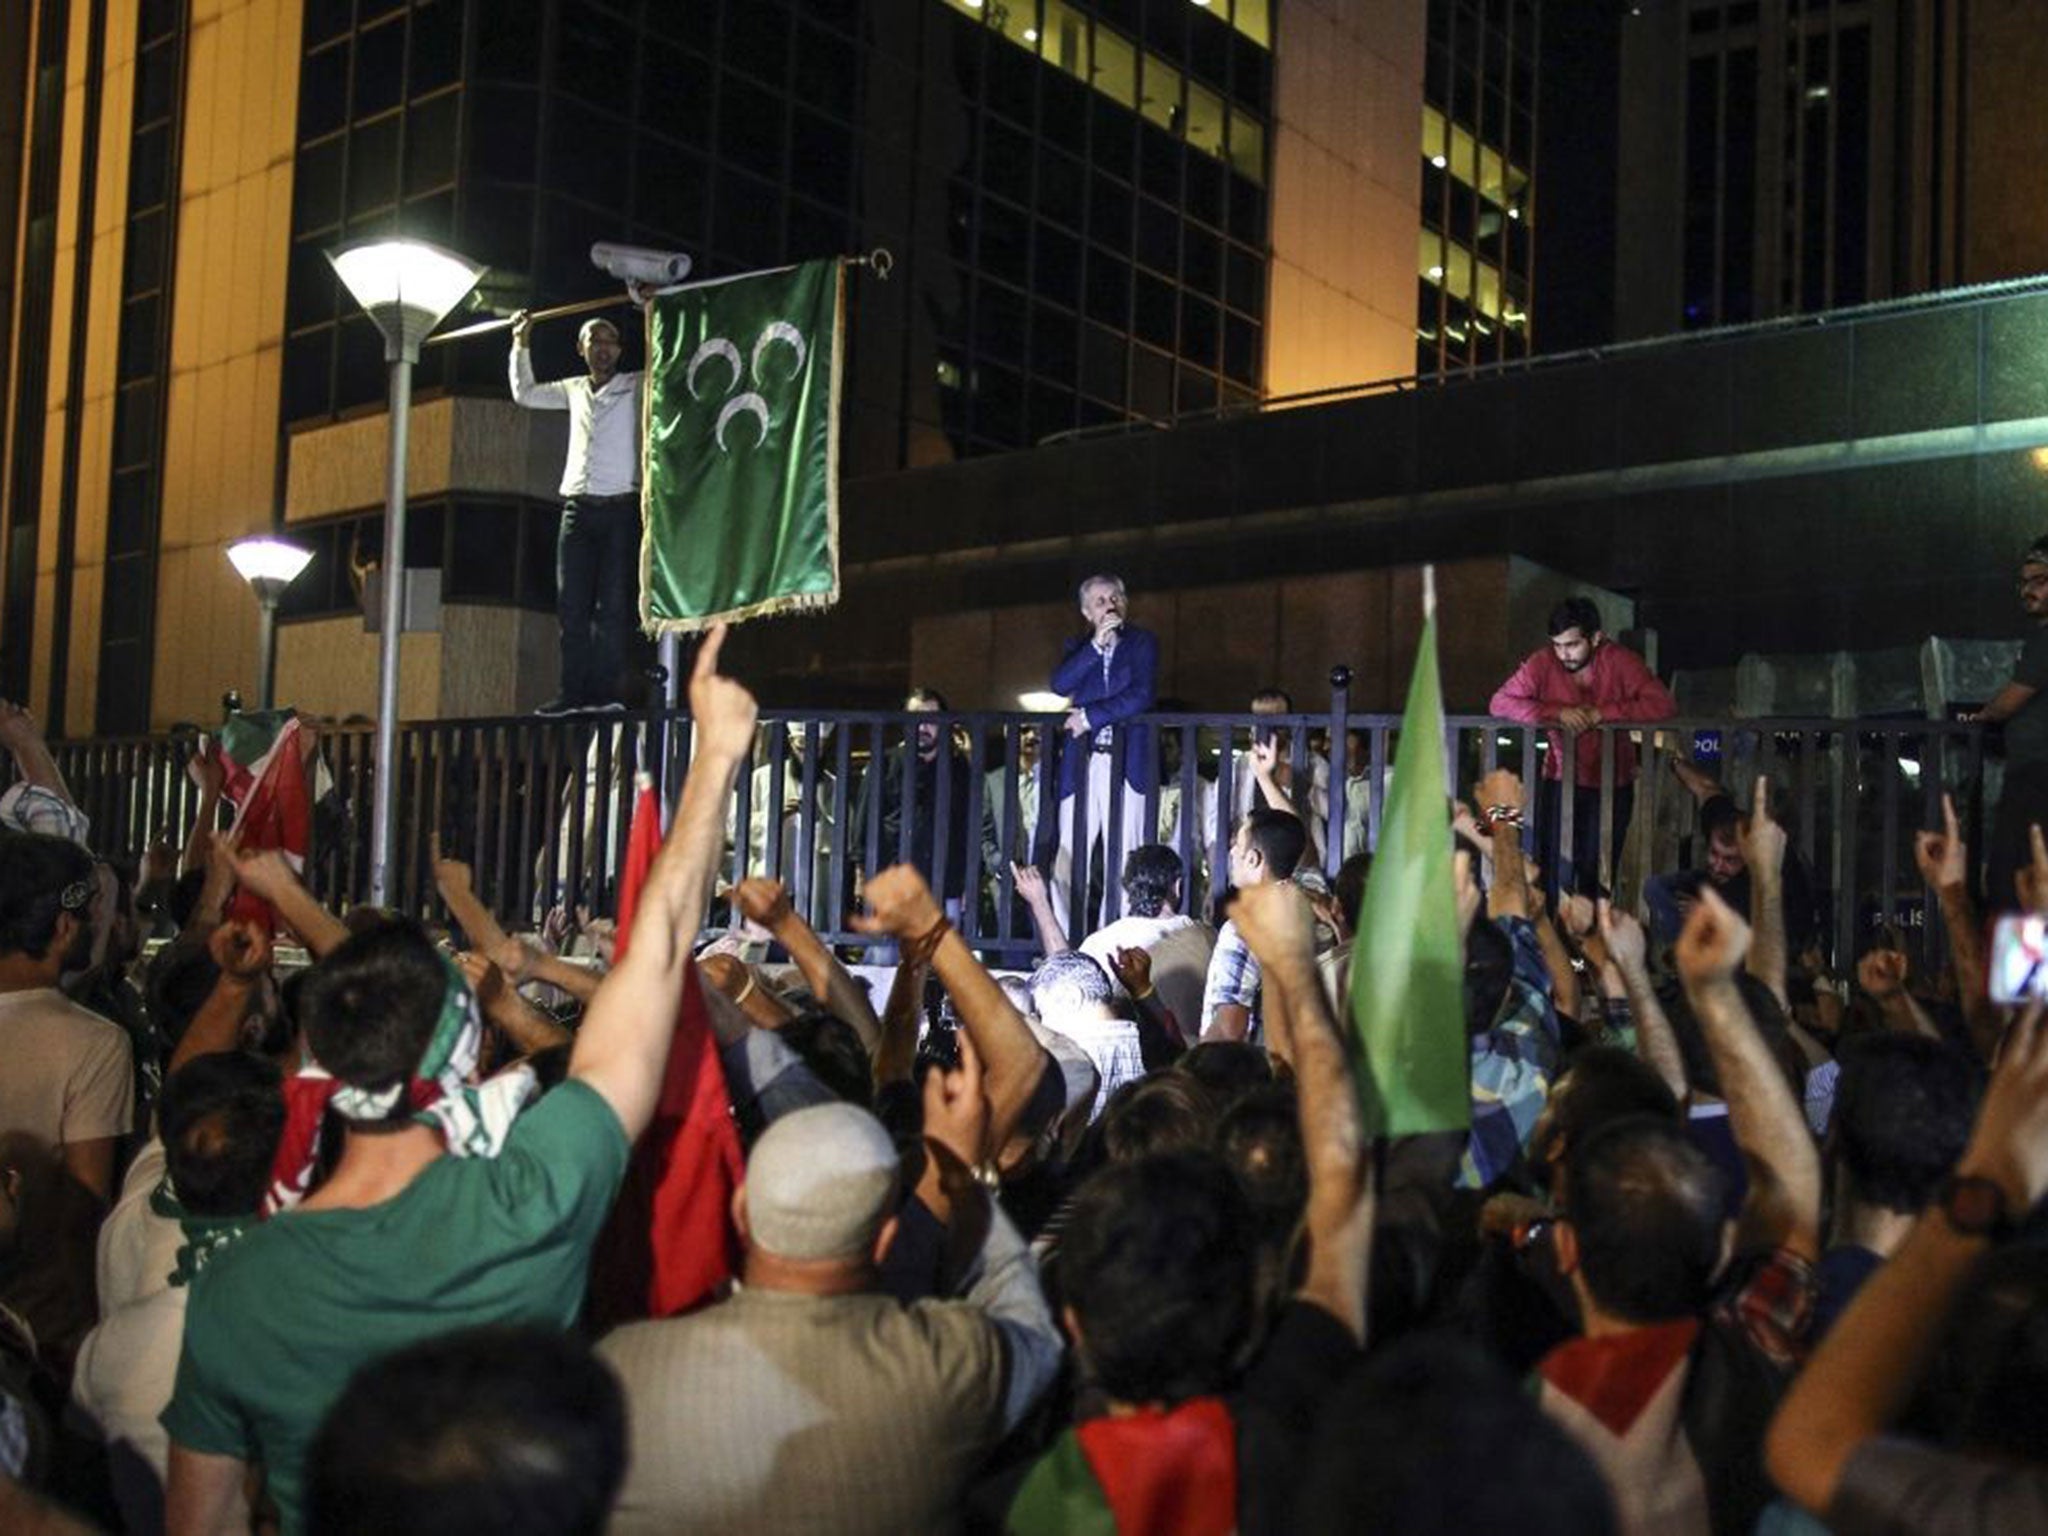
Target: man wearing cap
[811,1400]
[597,555]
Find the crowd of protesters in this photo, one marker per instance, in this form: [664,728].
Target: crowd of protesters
[444,1229]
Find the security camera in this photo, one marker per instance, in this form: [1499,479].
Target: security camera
[639,264]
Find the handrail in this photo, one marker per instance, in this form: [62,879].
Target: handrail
[541,807]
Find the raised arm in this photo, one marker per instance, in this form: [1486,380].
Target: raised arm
[242,951]
[902,906]
[767,903]
[266,874]
[457,885]
[1783,1206]
[622,1045]
[526,392]
[1869,1365]
[1763,850]
[524,1025]
[1882,976]
[1029,881]
[1656,1043]
[1276,922]
[23,739]
[204,770]
[1944,861]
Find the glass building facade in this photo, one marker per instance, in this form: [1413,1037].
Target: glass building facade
[1076,196]
[1477,252]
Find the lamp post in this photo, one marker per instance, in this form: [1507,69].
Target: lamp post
[407,287]
[269,566]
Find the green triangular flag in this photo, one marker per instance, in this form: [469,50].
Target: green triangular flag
[1407,968]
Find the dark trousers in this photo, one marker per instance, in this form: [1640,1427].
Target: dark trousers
[597,565]
[1584,873]
[2021,802]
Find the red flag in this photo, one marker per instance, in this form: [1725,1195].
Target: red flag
[670,1244]
[273,809]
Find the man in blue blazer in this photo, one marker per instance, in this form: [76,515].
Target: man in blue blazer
[1109,677]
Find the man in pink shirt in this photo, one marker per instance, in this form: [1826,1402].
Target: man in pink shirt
[1581,680]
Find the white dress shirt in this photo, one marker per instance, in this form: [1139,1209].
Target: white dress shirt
[604,426]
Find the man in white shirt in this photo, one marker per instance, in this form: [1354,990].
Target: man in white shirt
[1153,921]
[597,556]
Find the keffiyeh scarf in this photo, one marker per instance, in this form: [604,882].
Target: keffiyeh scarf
[474,1119]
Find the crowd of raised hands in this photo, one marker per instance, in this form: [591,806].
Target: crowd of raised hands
[1171,1287]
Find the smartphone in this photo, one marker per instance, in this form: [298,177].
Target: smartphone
[2019,958]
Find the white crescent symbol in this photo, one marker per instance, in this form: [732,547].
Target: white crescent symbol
[735,406]
[780,330]
[717,346]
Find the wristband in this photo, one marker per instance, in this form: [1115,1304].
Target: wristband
[1503,816]
[747,991]
[920,949]
[1149,992]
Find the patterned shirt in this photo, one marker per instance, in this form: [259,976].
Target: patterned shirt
[1233,978]
[32,808]
[1513,1063]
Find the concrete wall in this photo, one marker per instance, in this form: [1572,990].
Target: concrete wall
[482,662]
[1347,193]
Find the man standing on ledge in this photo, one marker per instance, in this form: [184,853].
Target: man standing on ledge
[1581,680]
[1108,676]
[597,556]
[2023,709]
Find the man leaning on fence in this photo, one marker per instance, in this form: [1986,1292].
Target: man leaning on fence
[2021,707]
[1581,680]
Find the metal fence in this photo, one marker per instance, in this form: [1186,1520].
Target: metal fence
[540,807]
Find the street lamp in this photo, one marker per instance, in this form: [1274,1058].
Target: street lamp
[407,287]
[269,566]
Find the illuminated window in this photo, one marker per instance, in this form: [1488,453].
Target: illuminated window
[1253,19]
[1464,155]
[1429,259]
[1457,271]
[1161,101]
[1491,184]
[1116,67]
[1433,149]
[1487,299]
[969,7]
[1248,147]
[1017,20]
[1205,120]
[1065,38]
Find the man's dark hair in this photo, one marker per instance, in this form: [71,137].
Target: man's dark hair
[370,1007]
[1903,1112]
[1456,1447]
[1278,696]
[1771,1024]
[2037,552]
[1259,1139]
[1604,1083]
[517,1431]
[1068,982]
[1719,813]
[1228,1069]
[831,1048]
[220,1116]
[176,983]
[35,872]
[1151,877]
[1646,1205]
[1166,1113]
[1279,836]
[924,695]
[1157,1263]
[1580,613]
[1349,886]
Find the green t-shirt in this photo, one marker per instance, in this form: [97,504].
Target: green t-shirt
[279,1323]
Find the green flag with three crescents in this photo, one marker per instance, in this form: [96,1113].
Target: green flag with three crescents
[740,498]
